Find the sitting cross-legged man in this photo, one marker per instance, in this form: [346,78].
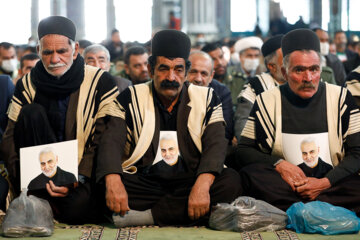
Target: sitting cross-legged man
[171,145]
[321,118]
[61,99]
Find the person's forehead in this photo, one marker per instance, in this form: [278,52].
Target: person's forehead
[304,58]
[138,57]
[198,59]
[98,54]
[10,51]
[216,53]
[51,40]
[167,142]
[47,156]
[322,34]
[251,51]
[340,35]
[28,62]
[170,62]
[309,144]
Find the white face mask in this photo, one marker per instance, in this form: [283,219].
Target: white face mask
[251,64]
[9,65]
[324,48]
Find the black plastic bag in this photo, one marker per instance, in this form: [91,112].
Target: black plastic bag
[28,216]
[247,214]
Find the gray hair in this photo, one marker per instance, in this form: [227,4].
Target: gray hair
[47,150]
[169,136]
[271,58]
[309,140]
[205,55]
[95,48]
[286,59]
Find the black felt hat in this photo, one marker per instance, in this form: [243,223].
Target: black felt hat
[57,25]
[171,44]
[271,45]
[300,39]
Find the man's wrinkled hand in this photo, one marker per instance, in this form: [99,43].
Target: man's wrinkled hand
[116,195]
[290,173]
[199,198]
[56,191]
[312,188]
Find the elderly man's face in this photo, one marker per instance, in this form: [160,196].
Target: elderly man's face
[201,72]
[220,64]
[310,153]
[303,73]
[137,68]
[48,164]
[169,151]
[169,77]
[98,59]
[57,54]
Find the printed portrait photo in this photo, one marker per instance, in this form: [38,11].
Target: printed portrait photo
[310,152]
[57,162]
[168,149]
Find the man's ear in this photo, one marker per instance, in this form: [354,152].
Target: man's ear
[149,71]
[283,71]
[126,67]
[76,50]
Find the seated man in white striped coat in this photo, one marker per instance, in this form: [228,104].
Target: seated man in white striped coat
[162,183]
[61,99]
[268,152]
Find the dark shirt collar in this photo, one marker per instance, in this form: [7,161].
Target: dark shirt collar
[295,99]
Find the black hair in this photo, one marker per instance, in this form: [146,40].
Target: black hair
[134,50]
[211,47]
[29,56]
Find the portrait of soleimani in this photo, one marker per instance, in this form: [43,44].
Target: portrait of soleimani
[56,162]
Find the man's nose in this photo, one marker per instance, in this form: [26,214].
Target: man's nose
[307,77]
[54,58]
[171,75]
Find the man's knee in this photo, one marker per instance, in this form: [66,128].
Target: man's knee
[227,186]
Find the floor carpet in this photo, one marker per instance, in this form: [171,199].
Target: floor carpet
[92,232]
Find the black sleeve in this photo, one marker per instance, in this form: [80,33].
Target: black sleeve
[252,149]
[228,111]
[111,148]
[248,152]
[214,145]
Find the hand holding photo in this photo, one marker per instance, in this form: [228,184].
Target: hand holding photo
[56,162]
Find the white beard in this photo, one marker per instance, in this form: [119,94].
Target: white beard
[50,174]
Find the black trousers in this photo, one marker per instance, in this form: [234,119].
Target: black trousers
[4,189]
[168,198]
[264,182]
[81,204]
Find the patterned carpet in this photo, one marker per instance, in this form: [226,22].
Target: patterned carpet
[104,232]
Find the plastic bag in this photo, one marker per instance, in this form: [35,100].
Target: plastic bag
[28,216]
[321,217]
[247,214]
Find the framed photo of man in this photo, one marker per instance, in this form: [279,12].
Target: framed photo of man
[57,162]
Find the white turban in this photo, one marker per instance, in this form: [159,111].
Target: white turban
[248,42]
